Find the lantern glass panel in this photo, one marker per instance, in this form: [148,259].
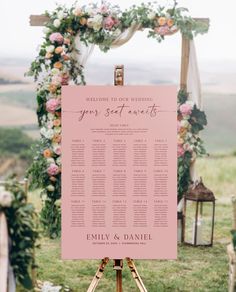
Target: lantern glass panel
[204,222]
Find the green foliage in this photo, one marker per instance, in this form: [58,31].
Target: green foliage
[22,228]
[197,121]
[184,179]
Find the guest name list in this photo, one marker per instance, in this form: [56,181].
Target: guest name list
[119,176]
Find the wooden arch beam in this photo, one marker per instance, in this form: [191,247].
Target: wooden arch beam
[41,20]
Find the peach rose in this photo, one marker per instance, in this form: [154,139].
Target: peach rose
[182,131]
[47,153]
[57,123]
[52,88]
[66,57]
[58,50]
[83,21]
[48,55]
[58,65]
[170,22]
[57,138]
[52,178]
[161,21]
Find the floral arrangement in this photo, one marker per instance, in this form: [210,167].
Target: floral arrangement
[56,66]
[22,229]
[190,121]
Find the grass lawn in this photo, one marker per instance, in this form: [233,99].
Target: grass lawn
[196,269]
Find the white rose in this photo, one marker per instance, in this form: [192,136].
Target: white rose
[57,130]
[97,26]
[55,71]
[89,10]
[50,49]
[97,22]
[47,133]
[5,198]
[58,203]
[57,23]
[50,160]
[44,197]
[46,30]
[51,188]
[184,124]
[151,15]
[90,22]
[51,116]
[60,15]
[190,102]
[58,160]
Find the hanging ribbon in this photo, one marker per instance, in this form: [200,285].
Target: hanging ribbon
[4,253]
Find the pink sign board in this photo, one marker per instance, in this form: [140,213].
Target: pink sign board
[119,172]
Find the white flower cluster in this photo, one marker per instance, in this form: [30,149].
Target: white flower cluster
[48,287]
[6,198]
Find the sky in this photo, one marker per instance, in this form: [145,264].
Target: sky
[20,40]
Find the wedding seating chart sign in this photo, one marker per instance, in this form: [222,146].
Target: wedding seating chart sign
[119,169]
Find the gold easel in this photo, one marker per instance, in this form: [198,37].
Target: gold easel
[118,263]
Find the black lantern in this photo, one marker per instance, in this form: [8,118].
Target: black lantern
[199,215]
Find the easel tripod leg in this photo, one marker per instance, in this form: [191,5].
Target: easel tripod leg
[98,275]
[136,275]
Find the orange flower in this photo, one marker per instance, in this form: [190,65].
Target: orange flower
[48,56]
[47,153]
[83,21]
[66,57]
[52,88]
[58,50]
[182,132]
[57,138]
[52,178]
[161,21]
[57,123]
[170,22]
[58,65]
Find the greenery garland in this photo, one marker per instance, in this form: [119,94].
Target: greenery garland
[22,229]
[56,65]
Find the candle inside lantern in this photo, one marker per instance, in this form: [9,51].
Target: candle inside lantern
[199,234]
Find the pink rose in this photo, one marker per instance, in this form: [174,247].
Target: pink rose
[56,37]
[180,151]
[53,169]
[185,109]
[65,80]
[162,30]
[57,150]
[52,105]
[110,22]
